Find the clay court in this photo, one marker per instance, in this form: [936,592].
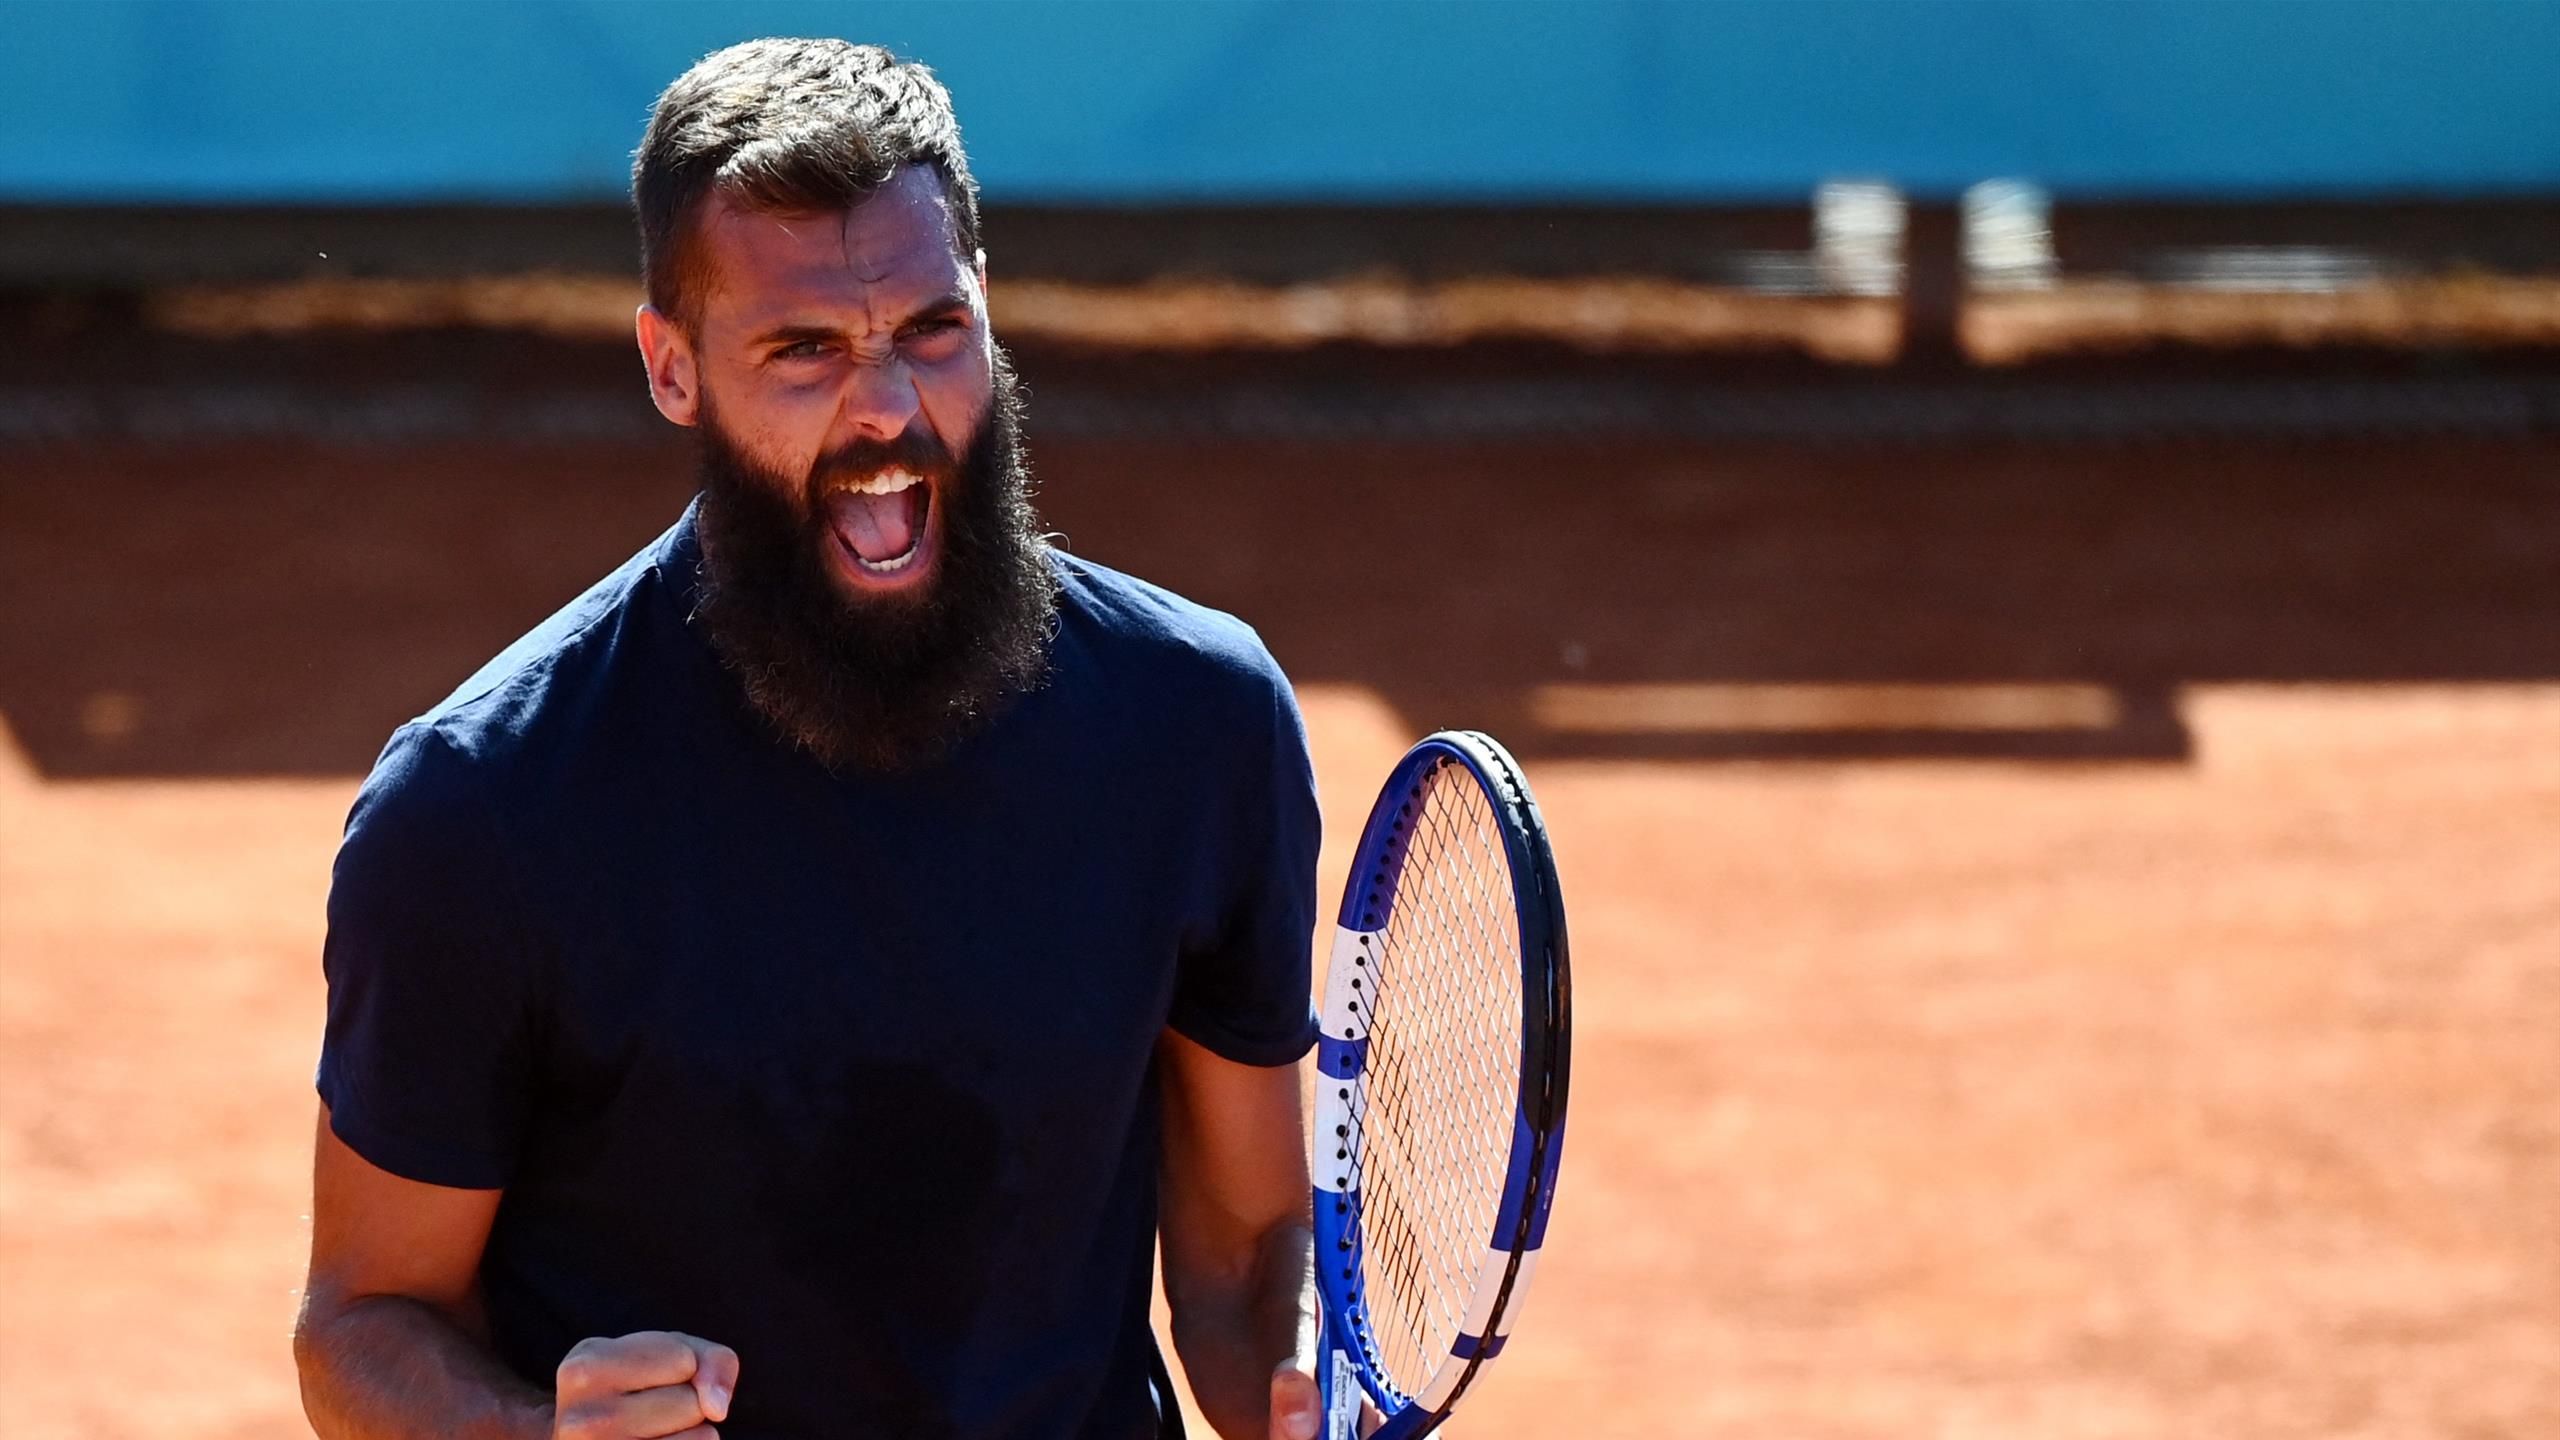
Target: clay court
[2068,938]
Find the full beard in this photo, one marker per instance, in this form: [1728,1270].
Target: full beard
[892,683]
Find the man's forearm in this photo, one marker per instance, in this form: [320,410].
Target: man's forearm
[1230,1341]
[391,1368]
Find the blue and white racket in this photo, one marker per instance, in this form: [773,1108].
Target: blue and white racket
[1440,1087]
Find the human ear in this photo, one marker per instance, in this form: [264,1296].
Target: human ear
[675,382]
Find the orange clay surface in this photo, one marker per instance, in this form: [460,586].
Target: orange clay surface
[2198,1080]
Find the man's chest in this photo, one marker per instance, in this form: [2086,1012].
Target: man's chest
[842,978]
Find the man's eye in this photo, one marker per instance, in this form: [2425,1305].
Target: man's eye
[923,329]
[800,350]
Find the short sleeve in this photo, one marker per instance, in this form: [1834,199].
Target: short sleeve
[426,1059]
[1247,997]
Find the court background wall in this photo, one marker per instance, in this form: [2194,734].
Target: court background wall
[1131,101]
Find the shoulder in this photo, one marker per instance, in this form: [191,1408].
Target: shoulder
[531,697]
[1134,624]
[423,826]
[531,710]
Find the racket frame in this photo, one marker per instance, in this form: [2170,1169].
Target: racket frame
[1347,1350]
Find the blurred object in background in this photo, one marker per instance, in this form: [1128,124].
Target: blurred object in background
[2008,237]
[2426,276]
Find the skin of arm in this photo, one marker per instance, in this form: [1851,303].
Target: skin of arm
[1237,1246]
[392,1342]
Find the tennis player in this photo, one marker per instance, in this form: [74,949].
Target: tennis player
[789,992]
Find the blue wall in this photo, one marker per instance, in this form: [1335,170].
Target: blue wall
[289,100]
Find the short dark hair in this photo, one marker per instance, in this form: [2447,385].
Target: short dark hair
[786,127]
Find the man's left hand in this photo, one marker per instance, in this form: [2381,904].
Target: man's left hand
[1297,1408]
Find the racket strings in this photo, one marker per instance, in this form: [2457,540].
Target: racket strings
[1441,1091]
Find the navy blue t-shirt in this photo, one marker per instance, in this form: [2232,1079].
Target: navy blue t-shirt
[854,1075]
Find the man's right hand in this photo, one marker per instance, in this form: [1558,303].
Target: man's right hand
[653,1385]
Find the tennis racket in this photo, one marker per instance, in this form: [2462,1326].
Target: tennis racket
[1440,1088]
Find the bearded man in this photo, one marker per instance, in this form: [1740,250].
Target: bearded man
[789,992]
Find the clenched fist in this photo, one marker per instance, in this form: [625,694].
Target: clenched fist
[653,1385]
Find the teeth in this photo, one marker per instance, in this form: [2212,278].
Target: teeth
[887,482]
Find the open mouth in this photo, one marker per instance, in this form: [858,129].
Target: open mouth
[882,522]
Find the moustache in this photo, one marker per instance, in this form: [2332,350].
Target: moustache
[916,450]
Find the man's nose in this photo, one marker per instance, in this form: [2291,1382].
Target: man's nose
[880,400]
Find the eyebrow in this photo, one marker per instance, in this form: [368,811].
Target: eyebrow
[941,305]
